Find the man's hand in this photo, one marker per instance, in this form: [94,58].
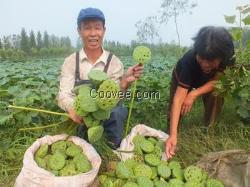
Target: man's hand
[188,102]
[171,146]
[74,116]
[132,74]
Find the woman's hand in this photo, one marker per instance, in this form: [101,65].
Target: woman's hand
[188,102]
[171,146]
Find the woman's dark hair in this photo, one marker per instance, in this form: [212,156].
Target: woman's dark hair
[214,42]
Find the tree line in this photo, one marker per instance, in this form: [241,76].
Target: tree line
[18,47]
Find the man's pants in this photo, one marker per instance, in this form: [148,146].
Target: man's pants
[212,104]
[113,127]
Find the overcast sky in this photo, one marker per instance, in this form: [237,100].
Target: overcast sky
[59,17]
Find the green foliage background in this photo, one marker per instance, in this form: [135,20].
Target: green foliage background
[31,78]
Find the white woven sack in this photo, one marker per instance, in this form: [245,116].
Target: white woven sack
[141,129]
[32,175]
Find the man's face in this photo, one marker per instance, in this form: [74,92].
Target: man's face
[92,33]
[208,65]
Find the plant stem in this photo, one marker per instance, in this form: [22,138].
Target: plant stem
[40,128]
[130,109]
[123,151]
[11,169]
[38,110]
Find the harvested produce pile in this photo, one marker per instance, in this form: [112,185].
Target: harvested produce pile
[62,158]
[146,169]
[95,101]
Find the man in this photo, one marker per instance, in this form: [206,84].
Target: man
[91,29]
[195,75]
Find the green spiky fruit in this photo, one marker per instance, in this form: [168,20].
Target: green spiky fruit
[144,182]
[89,121]
[204,176]
[138,158]
[69,143]
[161,145]
[193,184]
[97,77]
[130,163]
[42,151]
[141,54]
[81,113]
[142,170]
[178,173]
[67,159]
[137,150]
[85,103]
[154,172]
[77,107]
[174,164]
[56,161]
[152,159]
[59,145]
[40,162]
[152,140]
[82,163]
[119,183]
[101,114]
[102,179]
[157,178]
[161,183]
[157,151]
[163,170]
[137,144]
[68,170]
[138,139]
[130,184]
[82,89]
[63,153]
[79,156]
[73,150]
[83,166]
[56,173]
[46,159]
[123,171]
[176,183]
[108,183]
[214,183]
[95,133]
[147,146]
[107,96]
[193,173]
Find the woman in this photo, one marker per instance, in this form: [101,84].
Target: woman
[195,75]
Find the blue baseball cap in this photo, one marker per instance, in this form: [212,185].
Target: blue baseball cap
[90,13]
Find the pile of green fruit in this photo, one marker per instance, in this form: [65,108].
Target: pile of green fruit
[95,101]
[146,169]
[62,158]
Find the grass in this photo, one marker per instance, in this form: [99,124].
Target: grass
[195,140]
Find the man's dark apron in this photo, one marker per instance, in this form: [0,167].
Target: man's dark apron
[78,81]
